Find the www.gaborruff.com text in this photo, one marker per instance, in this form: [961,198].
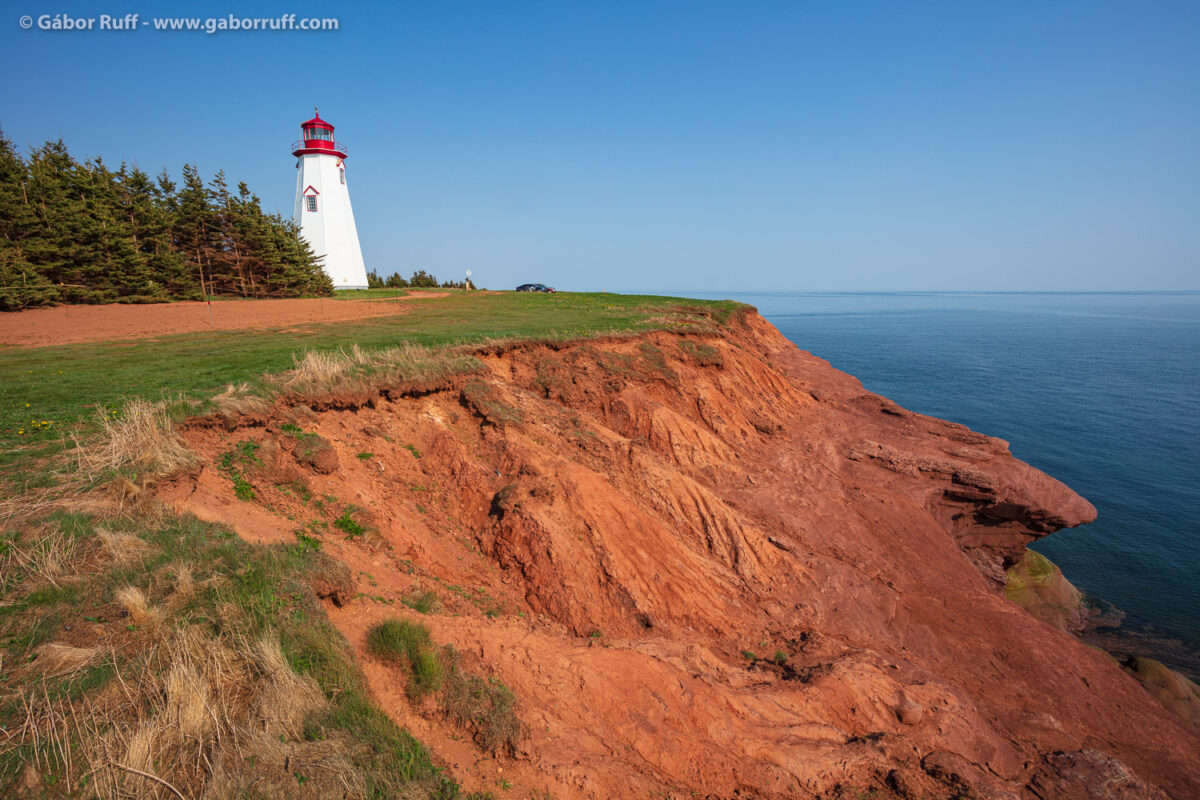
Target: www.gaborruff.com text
[135,22]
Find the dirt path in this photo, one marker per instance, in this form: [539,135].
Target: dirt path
[73,324]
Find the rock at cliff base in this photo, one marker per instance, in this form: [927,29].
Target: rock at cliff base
[1038,586]
[909,711]
[1180,695]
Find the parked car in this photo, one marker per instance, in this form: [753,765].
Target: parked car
[535,287]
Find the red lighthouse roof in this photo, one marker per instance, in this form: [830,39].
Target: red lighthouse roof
[316,122]
[317,137]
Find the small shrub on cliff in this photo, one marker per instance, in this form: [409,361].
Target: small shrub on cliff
[410,645]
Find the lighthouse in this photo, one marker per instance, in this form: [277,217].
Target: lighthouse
[323,211]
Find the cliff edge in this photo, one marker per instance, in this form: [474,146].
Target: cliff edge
[707,565]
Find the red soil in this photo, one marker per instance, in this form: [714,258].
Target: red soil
[612,527]
[72,324]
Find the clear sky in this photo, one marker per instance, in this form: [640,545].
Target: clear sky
[962,145]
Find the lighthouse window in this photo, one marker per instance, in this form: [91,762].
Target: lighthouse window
[312,202]
[342,175]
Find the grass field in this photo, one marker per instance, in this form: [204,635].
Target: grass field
[48,392]
[112,621]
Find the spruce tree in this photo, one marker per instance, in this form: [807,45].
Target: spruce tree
[21,285]
[194,226]
[151,227]
[81,232]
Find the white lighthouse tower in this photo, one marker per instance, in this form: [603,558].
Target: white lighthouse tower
[323,211]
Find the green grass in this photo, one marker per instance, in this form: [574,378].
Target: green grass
[242,590]
[65,386]
[234,462]
[423,602]
[373,294]
[409,645]
[347,525]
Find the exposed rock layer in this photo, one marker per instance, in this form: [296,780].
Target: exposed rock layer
[717,570]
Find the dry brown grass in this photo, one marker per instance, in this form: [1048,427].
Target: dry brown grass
[48,558]
[331,371]
[29,505]
[141,435]
[240,400]
[199,717]
[284,698]
[185,582]
[123,548]
[141,612]
[58,658]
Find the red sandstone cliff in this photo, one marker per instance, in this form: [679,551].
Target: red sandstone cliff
[614,526]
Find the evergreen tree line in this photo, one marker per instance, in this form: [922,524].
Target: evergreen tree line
[419,280]
[80,232]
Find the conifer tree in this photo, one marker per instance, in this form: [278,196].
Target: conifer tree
[81,232]
[151,219]
[21,284]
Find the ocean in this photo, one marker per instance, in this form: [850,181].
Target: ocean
[1102,391]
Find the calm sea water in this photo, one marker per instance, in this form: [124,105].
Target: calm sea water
[1101,391]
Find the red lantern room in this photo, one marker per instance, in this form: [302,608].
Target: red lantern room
[316,136]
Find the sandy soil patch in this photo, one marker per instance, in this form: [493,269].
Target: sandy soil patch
[73,324]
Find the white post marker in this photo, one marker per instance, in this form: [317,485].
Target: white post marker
[323,213]
[468,286]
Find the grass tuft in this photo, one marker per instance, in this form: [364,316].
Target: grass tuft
[424,602]
[318,373]
[141,436]
[485,706]
[409,645]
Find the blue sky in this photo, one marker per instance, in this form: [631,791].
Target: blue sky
[664,146]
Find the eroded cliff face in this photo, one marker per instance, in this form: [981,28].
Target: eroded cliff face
[708,566]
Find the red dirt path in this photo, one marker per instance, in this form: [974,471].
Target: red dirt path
[73,324]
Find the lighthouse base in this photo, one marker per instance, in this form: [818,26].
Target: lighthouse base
[326,219]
